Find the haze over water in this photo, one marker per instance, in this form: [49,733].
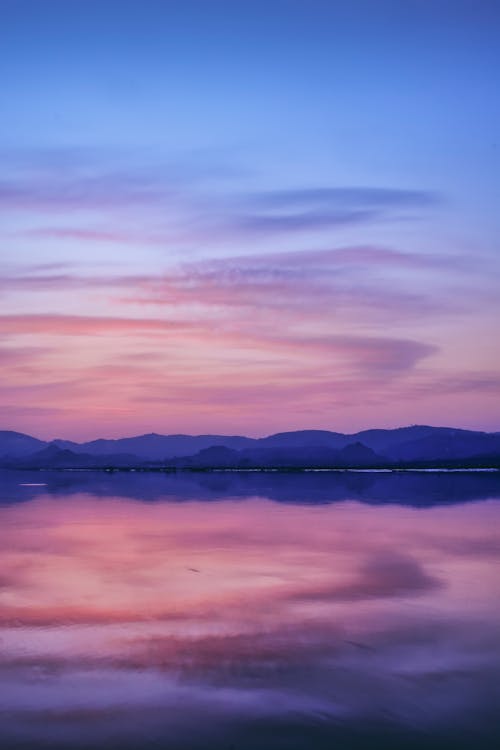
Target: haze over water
[268,610]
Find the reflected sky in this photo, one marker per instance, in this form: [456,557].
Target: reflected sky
[244,622]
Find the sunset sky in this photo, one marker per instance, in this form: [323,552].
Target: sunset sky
[246,217]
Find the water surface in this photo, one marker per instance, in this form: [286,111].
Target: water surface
[249,611]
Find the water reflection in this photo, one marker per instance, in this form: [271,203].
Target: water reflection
[407,488]
[245,623]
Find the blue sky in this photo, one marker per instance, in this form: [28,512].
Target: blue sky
[152,140]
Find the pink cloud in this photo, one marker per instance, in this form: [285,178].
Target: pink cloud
[301,338]
[375,353]
[299,281]
[84,234]
[306,282]
[86,325]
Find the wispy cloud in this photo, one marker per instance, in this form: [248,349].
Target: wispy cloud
[377,354]
[247,319]
[86,178]
[17,355]
[71,325]
[303,220]
[328,207]
[181,195]
[353,279]
[346,197]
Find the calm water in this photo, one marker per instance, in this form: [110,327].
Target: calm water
[233,611]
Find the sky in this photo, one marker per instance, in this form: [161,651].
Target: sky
[246,217]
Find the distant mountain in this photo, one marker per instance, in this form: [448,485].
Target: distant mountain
[288,456]
[15,444]
[155,447]
[458,444]
[53,457]
[357,454]
[417,445]
[353,454]
[384,441]
[305,438]
[217,456]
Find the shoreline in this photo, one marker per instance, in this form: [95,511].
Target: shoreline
[268,469]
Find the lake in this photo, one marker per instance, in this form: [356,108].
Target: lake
[239,611]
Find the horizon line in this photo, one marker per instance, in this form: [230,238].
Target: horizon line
[258,437]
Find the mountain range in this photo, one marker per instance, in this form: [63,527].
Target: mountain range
[417,445]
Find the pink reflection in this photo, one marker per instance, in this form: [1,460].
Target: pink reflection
[113,560]
[248,608]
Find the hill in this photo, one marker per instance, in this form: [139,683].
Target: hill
[416,445]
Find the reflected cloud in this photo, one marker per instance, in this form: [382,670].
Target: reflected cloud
[382,575]
[166,614]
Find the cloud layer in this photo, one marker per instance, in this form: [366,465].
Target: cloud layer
[177,286]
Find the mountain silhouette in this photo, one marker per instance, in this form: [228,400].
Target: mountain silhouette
[415,446]
[16,444]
